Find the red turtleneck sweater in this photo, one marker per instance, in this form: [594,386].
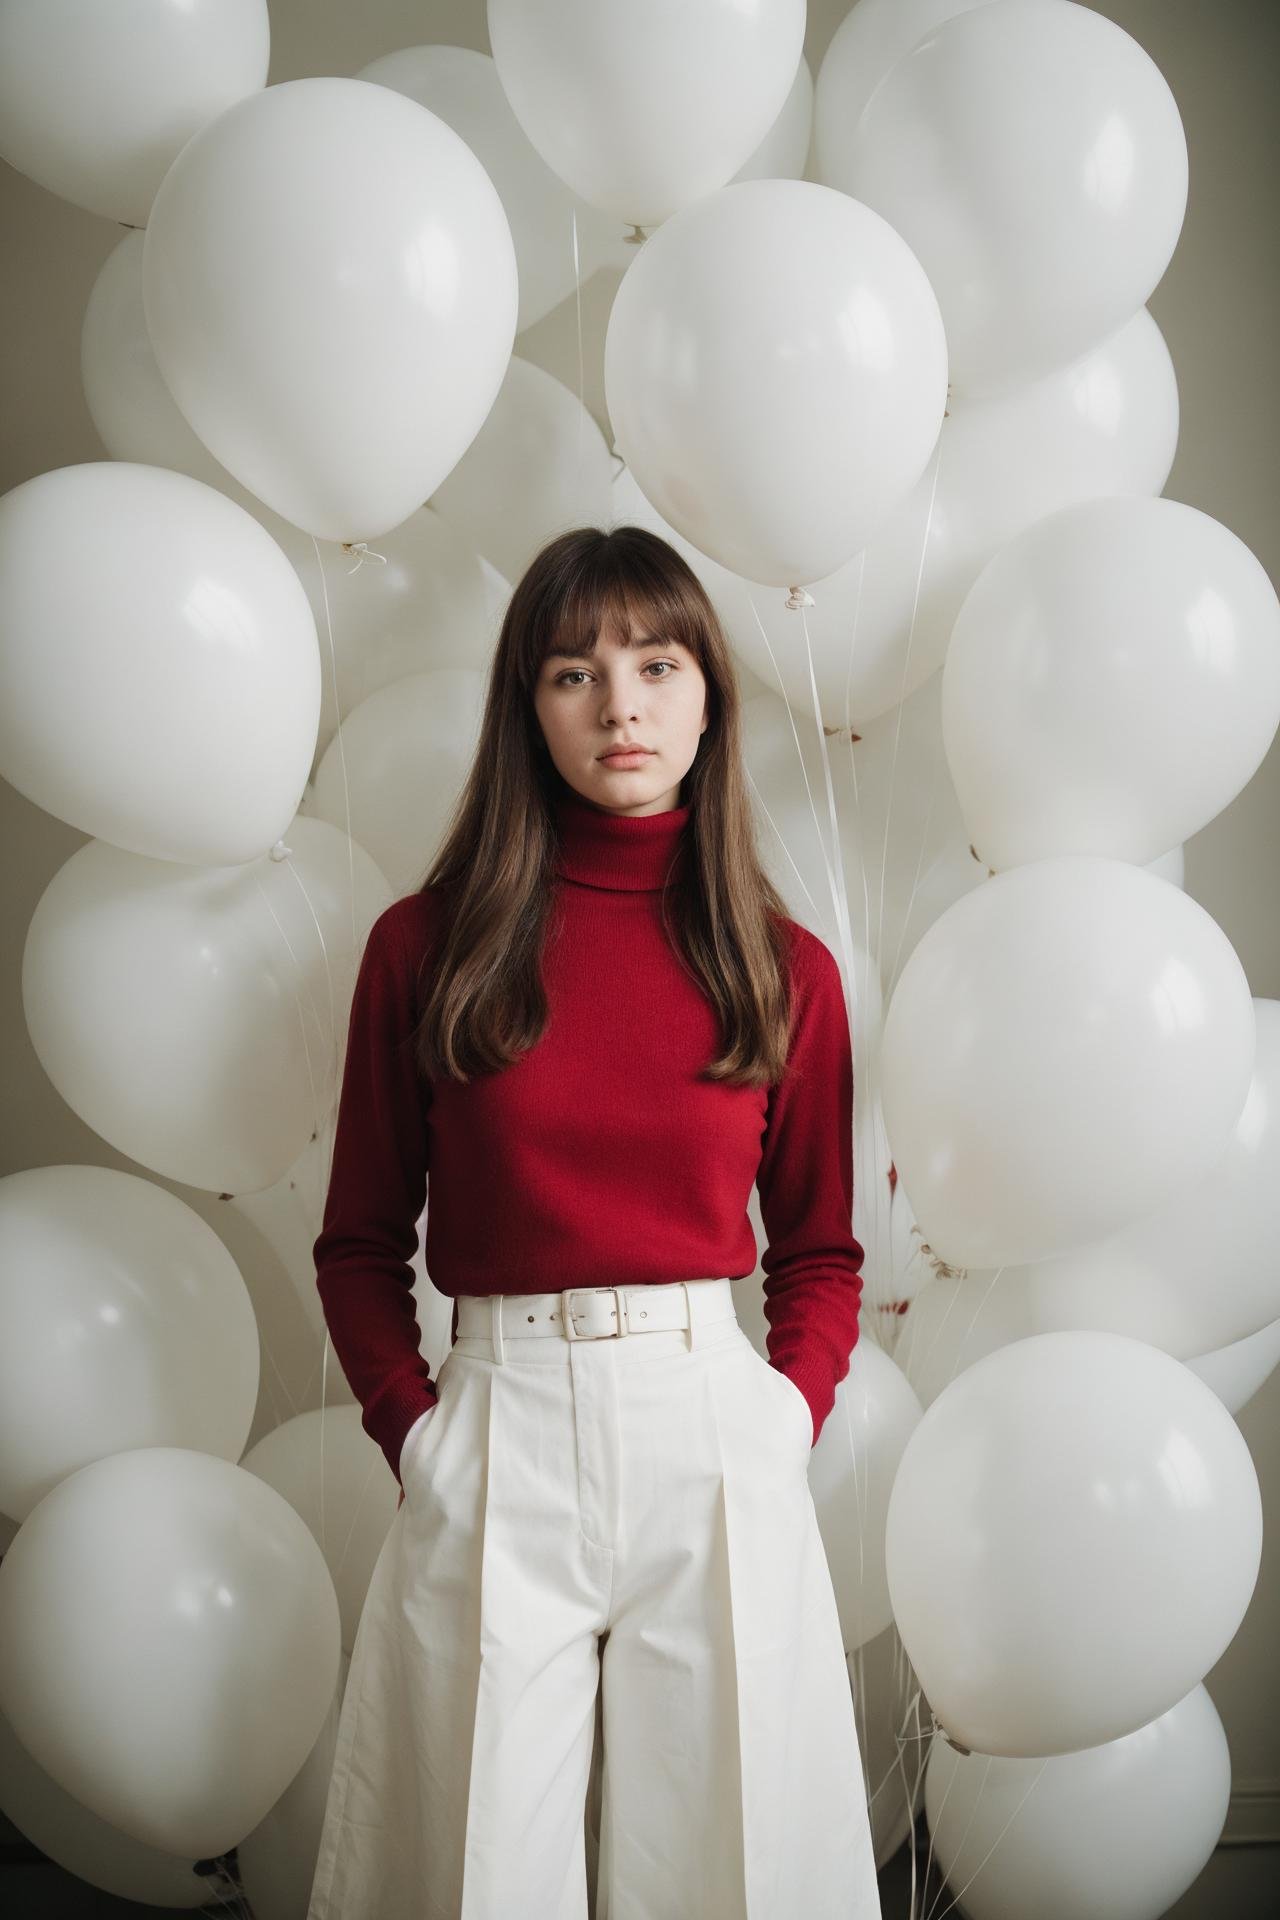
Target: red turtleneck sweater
[599,1157]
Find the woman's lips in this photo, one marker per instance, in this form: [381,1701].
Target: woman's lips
[635,759]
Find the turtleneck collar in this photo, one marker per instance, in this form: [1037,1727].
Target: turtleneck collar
[630,853]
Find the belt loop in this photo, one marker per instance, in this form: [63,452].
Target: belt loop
[688,1304]
[495,1327]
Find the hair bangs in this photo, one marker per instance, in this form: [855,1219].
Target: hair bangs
[621,589]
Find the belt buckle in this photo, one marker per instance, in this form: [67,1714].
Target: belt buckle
[606,1333]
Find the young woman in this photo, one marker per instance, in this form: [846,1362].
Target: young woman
[595,1028]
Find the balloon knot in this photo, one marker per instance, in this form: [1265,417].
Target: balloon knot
[799,598]
[365,551]
[280,851]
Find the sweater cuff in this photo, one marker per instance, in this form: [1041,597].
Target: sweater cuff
[388,1417]
[813,1377]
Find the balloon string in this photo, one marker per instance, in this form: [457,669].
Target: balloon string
[915,1363]
[911,1788]
[935,1827]
[582,374]
[307,1014]
[932,1914]
[902,691]
[865,1035]
[763,805]
[875,944]
[918,878]
[800,759]
[934,1822]
[226,1895]
[362,548]
[281,853]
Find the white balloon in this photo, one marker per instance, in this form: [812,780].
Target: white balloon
[1066,1048]
[851,1474]
[1199,1272]
[538,466]
[871,37]
[1106,424]
[1170,866]
[1046,1507]
[874,1177]
[331,292]
[1087,654]
[82,1843]
[397,767]
[96,102]
[913,857]
[196,1017]
[287,1216]
[329,1470]
[783,154]
[645,105]
[1121,1829]
[135,414]
[426,603]
[159,676]
[909,1266]
[1149,1280]
[423,599]
[1034,160]
[1236,1372]
[124,1322]
[901,839]
[277,1861]
[954,1322]
[463,88]
[169,1644]
[775,370]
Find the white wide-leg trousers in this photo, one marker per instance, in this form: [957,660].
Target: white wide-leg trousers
[630,1515]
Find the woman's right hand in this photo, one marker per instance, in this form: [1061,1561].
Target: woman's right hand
[407,1444]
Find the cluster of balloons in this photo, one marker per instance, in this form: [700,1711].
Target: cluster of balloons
[298,346]
[881,334]
[1074,1083]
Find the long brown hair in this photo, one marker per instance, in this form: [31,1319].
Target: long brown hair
[486,1003]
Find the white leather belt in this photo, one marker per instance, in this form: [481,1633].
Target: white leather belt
[599,1313]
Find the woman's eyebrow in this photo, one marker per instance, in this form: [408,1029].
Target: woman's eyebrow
[633,640]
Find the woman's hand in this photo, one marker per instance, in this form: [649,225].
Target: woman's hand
[406,1444]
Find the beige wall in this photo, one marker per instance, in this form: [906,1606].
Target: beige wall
[1219,309]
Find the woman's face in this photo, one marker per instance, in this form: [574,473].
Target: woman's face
[651,694]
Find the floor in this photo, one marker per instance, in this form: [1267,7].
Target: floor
[1240,1883]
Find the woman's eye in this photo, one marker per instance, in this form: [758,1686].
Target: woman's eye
[571,672]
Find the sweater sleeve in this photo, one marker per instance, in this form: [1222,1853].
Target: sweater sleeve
[377,1187]
[813,1283]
